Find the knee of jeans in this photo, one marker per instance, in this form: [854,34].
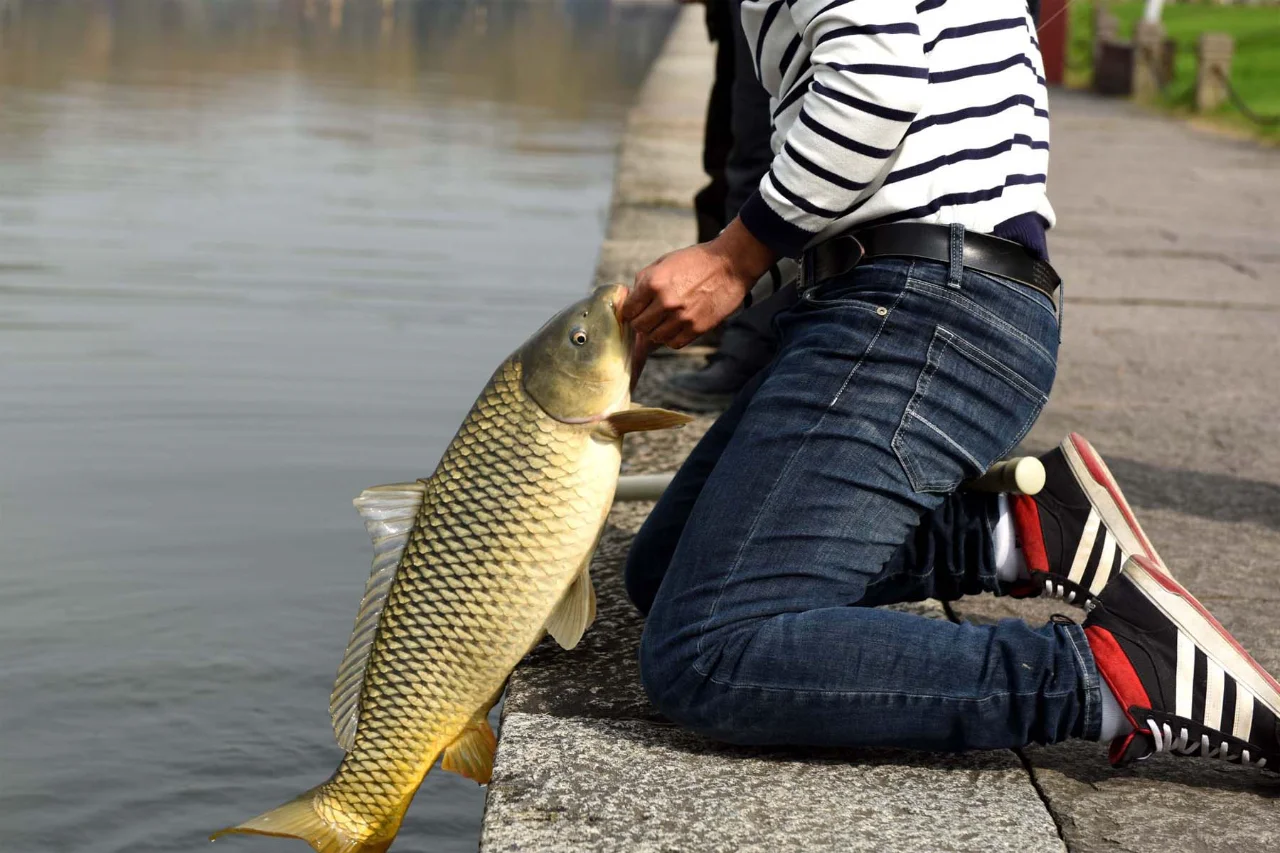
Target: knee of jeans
[683,687]
[642,574]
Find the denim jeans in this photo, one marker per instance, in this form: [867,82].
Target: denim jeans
[828,488]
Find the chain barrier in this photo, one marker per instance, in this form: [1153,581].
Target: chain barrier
[1239,104]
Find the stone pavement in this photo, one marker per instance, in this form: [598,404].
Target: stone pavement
[1169,241]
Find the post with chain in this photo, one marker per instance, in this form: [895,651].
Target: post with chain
[1213,70]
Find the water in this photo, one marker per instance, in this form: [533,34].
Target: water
[254,257]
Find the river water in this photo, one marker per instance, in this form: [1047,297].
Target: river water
[255,255]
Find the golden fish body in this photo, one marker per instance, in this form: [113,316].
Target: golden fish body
[471,567]
[510,517]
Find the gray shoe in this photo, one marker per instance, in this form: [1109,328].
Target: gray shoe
[710,389]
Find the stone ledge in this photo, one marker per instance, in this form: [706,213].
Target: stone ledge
[575,784]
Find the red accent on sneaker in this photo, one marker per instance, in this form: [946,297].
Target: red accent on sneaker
[1098,470]
[1026,521]
[1120,747]
[1024,588]
[1117,671]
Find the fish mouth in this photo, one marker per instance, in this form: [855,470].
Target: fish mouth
[617,297]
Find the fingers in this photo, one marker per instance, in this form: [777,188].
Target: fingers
[683,339]
[672,328]
[640,295]
[649,319]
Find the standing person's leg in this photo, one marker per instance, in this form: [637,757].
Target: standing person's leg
[751,154]
[894,384]
[748,342]
[717,140]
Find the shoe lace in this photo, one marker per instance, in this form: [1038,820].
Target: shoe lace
[1164,741]
[1056,588]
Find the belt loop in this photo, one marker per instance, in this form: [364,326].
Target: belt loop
[957,256]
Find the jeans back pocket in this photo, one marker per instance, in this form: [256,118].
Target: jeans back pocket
[968,411]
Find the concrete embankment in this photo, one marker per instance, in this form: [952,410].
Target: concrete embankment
[1171,365]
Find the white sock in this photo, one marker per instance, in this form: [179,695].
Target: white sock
[1114,722]
[1010,564]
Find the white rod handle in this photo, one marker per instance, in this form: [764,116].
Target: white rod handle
[1020,475]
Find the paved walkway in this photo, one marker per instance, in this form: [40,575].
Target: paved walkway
[1171,365]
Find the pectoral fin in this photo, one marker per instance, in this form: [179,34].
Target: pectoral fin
[575,612]
[471,755]
[641,419]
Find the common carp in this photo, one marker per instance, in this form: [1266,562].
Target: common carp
[471,567]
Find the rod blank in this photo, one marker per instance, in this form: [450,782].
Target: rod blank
[1019,475]
[642,487]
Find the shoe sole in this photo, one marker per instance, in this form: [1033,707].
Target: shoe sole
[1182,608]
[1104,493]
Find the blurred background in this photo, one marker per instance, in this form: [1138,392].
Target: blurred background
[255,255]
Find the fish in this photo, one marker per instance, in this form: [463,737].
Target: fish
[472,567]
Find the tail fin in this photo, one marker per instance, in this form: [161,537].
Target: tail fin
[298,819]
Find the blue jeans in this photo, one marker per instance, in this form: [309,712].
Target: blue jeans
[829,487]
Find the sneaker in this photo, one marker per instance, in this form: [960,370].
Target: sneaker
[1078,530]
[1185,684]
[710,389]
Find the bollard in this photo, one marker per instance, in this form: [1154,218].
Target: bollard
[1213,69]
[1149,60]
[1106,29]
[1113,68]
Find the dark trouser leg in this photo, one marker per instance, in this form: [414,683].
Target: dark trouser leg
[752,125]
[708,203]
[890,389]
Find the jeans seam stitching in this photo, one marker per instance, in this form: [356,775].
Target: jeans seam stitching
[892,693]
[948,439]
[1091,711]
[737,559]
[982,360]
[927,288]
[1019,290]
[922,384]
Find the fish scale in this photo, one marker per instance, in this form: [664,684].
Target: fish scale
[464,608]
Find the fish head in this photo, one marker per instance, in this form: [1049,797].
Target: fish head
[577,367]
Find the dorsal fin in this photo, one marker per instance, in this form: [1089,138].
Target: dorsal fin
[389,513]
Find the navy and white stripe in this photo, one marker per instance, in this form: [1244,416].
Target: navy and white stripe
[885,112]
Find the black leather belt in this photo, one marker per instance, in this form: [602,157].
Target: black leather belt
[982,252]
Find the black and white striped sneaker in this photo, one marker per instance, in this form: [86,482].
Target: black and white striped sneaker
[1185,684]
[1079,530]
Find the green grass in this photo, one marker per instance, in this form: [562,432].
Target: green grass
[1255,69]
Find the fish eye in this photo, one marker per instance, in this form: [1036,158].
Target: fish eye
[578,336]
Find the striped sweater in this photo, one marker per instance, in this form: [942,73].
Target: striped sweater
[899,111]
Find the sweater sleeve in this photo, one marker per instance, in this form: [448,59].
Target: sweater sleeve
[867,83]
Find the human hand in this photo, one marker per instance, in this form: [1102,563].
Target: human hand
[689,291]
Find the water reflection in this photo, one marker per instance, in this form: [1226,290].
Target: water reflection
[254,257]
[566,57]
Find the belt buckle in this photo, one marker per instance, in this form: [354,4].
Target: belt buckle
[808,273]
